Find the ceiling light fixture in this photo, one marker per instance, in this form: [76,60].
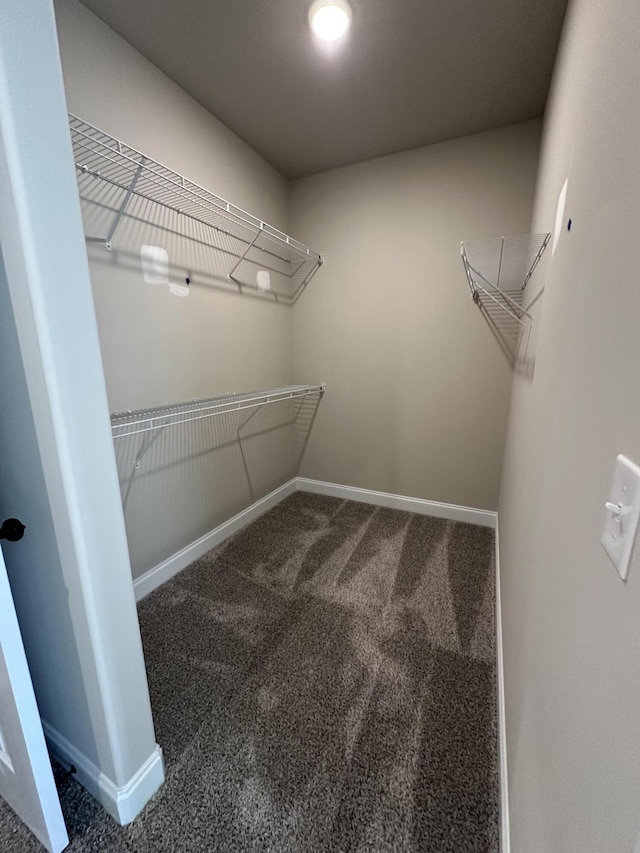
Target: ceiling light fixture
[330,19]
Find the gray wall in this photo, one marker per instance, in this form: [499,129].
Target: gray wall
[570,624]
[418,383]
[157,348]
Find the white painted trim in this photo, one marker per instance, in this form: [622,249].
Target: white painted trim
[505,834]
[123,803]
[165,570]
[423,507]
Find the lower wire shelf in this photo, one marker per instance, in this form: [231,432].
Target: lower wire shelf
[145,426]
[161,417]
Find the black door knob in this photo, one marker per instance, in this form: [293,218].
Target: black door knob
[12,530]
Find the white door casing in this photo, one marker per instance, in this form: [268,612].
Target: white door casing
[72,582]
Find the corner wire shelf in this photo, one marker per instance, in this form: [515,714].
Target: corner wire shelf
[101,160]
[499,269]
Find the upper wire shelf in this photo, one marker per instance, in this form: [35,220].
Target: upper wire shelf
[498,269]
[159,418]
[120,181]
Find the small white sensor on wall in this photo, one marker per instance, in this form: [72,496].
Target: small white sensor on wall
[155,264]
[263,280]
[155,269]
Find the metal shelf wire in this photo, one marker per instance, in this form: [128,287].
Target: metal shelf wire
[119,181]
[499,269]
[146,426]
[161,417]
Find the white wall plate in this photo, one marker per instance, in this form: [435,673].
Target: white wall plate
[623,514]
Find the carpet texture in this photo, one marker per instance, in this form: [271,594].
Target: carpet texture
[322,681]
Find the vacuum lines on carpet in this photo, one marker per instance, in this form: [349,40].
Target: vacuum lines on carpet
[324,681]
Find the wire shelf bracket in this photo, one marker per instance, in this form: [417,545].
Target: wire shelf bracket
[499,269]
[105,160]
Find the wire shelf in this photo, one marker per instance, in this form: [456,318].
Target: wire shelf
[499,269]
[145,427]
[118,180]
[174,414]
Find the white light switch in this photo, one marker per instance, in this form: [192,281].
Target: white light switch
[623,514]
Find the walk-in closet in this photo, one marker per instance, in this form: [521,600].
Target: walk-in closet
[320,467]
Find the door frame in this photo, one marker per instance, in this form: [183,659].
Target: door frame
[95,702]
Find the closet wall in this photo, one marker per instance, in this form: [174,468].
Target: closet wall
[570,623]
[418,379]
[419,382]
[157,348]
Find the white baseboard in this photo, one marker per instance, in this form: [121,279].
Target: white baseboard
[123,803]
[505,834]
[165,570]
[156,576]
[483,517]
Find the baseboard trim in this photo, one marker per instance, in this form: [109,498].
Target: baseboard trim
[505,832]
[123,803]
[165,570]
[483,517]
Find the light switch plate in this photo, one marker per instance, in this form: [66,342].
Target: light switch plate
[623,514]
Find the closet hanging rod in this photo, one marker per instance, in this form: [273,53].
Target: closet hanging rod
[170,189]
[160,417]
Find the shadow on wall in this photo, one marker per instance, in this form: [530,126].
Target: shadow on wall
[180,482]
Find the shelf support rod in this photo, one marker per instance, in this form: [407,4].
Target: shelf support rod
[124,204]
[244,458]
[500,263]
[246,420]
[243,256]
[467,270]
[309,428]
[536,260]
[144,449]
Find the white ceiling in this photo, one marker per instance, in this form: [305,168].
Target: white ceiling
[410,73]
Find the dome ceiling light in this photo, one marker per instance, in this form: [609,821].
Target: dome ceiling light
[330,19]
